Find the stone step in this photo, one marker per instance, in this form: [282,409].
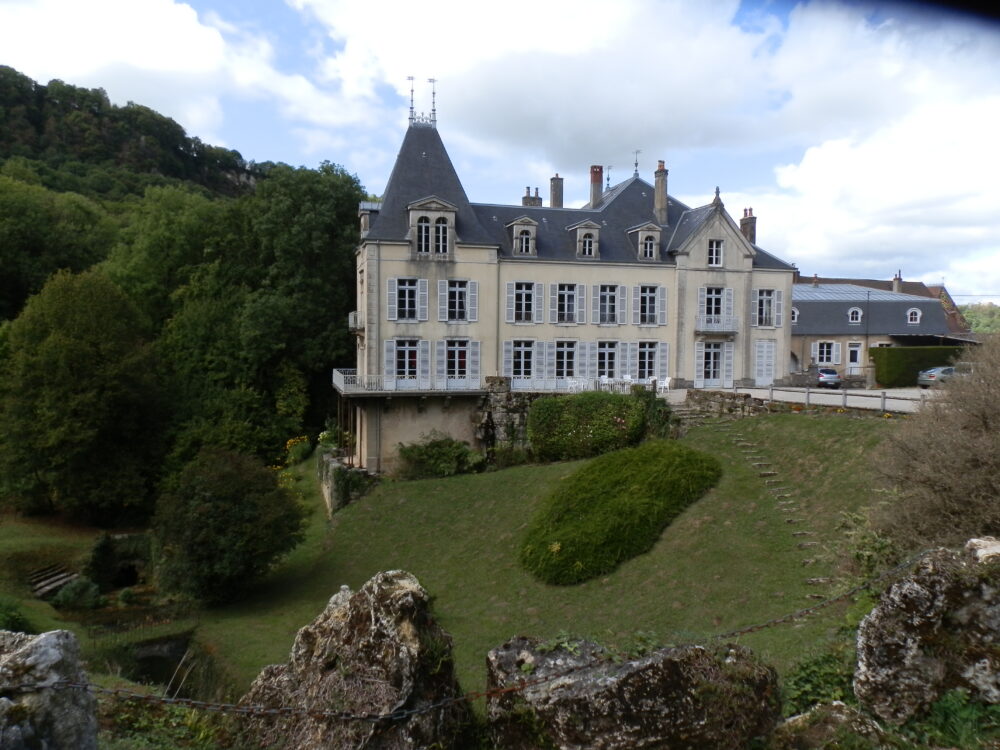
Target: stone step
[807,545]
[803,533]
[47,572]
[52,585]
[822,581]
[767,473]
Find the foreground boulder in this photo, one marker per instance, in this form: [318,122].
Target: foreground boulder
[374,651]
[826,726]
[688,697]
[44,718]
[936,630]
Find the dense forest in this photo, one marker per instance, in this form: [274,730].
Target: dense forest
[158,297]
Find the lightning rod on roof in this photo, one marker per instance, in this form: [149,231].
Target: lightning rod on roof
[608,187]
[637,152]
[432,82]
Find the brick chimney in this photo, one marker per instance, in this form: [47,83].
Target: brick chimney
[660,193]
[748,225]
[556,192]
[897,282]
[596,185]
[528,200]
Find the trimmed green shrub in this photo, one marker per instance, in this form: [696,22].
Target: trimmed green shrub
[12,618]
[613,509]
[584,424]
[437,455]
[898,366]
[80,593]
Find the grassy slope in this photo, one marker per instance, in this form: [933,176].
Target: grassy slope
[728,561]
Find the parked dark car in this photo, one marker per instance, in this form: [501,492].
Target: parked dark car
[827,377]
[935,375]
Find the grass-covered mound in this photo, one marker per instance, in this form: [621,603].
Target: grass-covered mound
[613,509]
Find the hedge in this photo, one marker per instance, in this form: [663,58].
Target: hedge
[898,366]
[613,509]
[584,424]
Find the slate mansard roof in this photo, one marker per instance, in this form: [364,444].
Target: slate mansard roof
[423,170]
[823,309]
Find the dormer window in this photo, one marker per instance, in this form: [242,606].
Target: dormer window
[423,235]
[913,316]
[854,315]
[441,236]
[715,252]
[588,239]
[524,242]
[587,245]
[432,228]
[795,315]
[648,247]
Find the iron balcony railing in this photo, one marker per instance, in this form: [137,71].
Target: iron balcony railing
[348,381]
[717,323]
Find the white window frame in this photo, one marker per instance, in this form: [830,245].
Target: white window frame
[607,359]
[854,316]
[647,360]
[397,293]
[567,303]
[826,352]
[609,304]
[522,358]
[716,253]
[566,355]
[524,242]
[648,247]
[442,236]
[913,316]
[424,235]
[795,316]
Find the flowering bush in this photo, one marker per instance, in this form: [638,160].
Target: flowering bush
[584,424]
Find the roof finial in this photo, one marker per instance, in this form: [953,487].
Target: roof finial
[410,79]
[637,152]
[608,179]
[432,82]
[717,198]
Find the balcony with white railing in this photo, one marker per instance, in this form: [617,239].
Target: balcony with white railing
[354,321]
[348,382]
[717,324]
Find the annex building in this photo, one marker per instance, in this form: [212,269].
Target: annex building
[634,287]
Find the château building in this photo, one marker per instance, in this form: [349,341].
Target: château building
[634,287]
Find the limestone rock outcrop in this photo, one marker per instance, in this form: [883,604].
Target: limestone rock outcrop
[47,717]
[686,697]
[935,630]
[373,651]
[823,726]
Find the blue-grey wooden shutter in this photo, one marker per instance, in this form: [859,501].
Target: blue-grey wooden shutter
[424,362]
[727,310]
[553,302]
[550,360]
[536,304]
[836,352]
[779,308]
[636,297]
[728,351]
[473,306]
[595,303]
[702,298]
[474,363]
[510,302]
[389,365]
[581,303]
[390,299]
[508,358]
[814,351]
[620,306]
[699,363]
[661,305]
[421,299]
[754,295]
[662,360]
[441,365]
[633,359]
[442,300]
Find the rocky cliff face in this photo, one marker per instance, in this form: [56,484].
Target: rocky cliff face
[690,697]
[45,718]
[373,651]
[936,630]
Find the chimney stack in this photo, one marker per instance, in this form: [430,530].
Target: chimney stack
[748,225]
[596,185]
[556,192]
[528,200]
[815,280]
[897,282]
[660,193]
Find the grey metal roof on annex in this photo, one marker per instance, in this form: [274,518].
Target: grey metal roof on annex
[824,309]
[423,170]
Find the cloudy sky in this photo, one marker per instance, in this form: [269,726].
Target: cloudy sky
[864,136]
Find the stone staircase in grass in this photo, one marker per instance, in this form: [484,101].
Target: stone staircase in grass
[47,581]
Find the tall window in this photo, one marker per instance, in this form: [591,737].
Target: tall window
[457,358]
[713,300]
[607,310]
[647,305]
[647,360]
[606,355]
[524,301]
[565,359]
[566,303]
[524,242]
[406,358]
[824,353]
[441,236]
[423,235]
[458,300]
[406,299]
[711,365]
[587,244]
[765,307]
[649,247]
[715,252]
[523,351]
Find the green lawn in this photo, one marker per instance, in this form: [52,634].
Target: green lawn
[729,560]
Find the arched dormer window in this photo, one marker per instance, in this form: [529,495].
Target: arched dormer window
[795,315]
[423,235]
[913,316]
[524,242]
[587,245]
[441,236]
[854,315]
[649,247]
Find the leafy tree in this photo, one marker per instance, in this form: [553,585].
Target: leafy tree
[79,406]
[223,521]
[983,317]
[944,462]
